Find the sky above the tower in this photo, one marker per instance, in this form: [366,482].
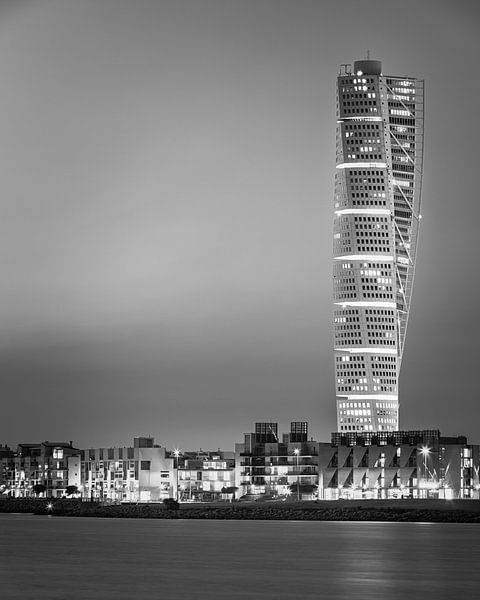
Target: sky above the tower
[166,192]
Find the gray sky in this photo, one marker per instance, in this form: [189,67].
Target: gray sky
[166,192]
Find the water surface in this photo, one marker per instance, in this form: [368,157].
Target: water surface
[61,558]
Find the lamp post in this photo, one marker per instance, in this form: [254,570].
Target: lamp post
[297,452]
[425,451]
[176,454]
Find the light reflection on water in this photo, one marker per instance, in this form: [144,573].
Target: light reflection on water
[87,558]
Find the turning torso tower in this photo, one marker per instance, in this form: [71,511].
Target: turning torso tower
[377,201]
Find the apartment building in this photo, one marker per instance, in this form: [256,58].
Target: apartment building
[268,466]
[143,472]
[398,464]
[35,470]
[206,476]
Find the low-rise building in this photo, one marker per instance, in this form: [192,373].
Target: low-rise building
[206,476]
[270,467]
[37,470]
[5,452]
[140,473]
[398,464]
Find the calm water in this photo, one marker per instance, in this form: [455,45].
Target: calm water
[76,558]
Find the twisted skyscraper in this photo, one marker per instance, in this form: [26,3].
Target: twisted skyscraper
[377,201]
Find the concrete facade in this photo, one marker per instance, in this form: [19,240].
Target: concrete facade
[140,473]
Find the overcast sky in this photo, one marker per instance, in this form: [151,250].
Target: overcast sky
[166,192]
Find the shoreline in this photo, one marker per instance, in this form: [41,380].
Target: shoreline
[425,511]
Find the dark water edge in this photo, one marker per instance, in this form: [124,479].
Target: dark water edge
[50,558]
[434,511]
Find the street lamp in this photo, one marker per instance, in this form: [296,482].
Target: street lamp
[425,451]
[297,452]
[176,454]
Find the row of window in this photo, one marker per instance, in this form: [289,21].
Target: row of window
[386,250]
[382,374]
[356,180]
[407,169]
[370,203]
[373,279]
[363,102]
[356,413]
[366,187]
[402,121]
[370,328]
[372,233]
[347,81]
[354,428]
[378,315]
[359,156]
[346,370]
[380,295]
[373,268]
[360,110]
[354,380]
[368,195]
[357,93]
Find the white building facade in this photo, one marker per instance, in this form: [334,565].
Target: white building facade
[379,156]
[143,472]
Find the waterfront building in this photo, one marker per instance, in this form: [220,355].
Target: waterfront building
[399,464]
[143,472]
[206,476]
[5,452]
[379,156]
[270,467]
[37,469]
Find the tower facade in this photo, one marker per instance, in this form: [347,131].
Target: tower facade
[379,156]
